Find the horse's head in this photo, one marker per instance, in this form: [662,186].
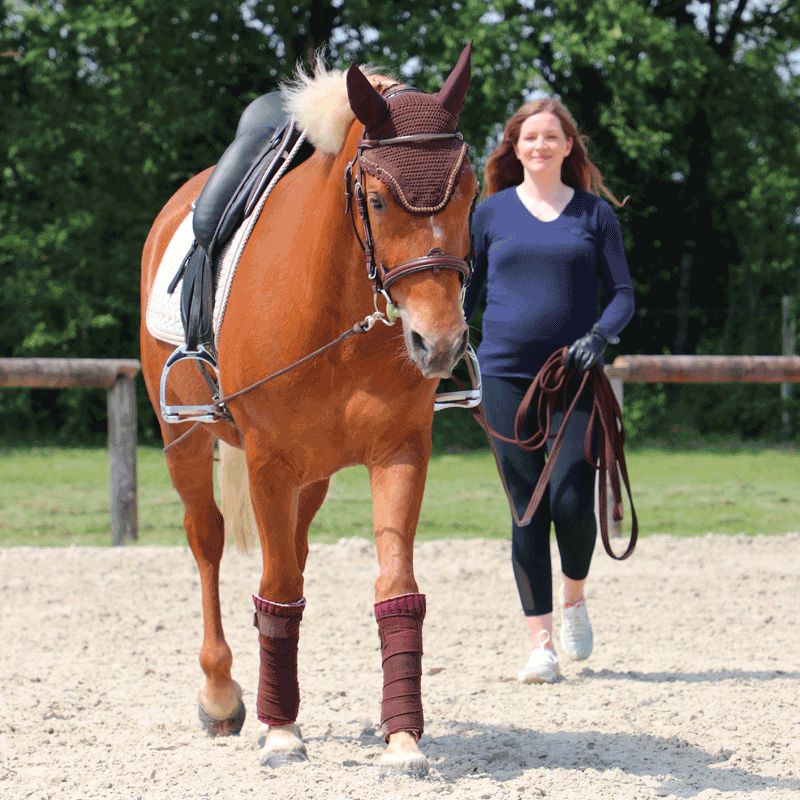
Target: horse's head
[413,190]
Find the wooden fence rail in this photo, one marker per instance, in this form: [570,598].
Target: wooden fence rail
[701,369]
[706,369]
[116,375]
[698,369]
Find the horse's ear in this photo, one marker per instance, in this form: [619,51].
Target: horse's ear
[367,103]
[451,95]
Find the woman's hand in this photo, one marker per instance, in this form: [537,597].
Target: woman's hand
[586,351]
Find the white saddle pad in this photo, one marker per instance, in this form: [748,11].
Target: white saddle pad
[164,310]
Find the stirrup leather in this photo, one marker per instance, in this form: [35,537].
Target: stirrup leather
[205,359]
[465,398]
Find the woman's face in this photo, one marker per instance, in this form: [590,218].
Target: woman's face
[542,146]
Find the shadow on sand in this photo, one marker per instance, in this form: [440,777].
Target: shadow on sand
[710,676]
[505,752]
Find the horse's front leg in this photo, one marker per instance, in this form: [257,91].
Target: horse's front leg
[279,607]
[397,488]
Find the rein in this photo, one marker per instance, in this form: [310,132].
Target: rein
[547,388]
[363,326]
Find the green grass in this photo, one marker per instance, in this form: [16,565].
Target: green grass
[54,496]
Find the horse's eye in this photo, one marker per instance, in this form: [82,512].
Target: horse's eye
[375,201]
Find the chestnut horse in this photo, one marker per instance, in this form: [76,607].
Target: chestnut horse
[369,400]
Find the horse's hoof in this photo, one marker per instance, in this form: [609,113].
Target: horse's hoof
[222,727]
[282,745]
[279,759]
[413,766]
[403,757]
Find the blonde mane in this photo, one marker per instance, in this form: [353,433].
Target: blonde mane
[319,103]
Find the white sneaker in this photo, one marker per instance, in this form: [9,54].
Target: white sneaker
[576,631]
[542,666]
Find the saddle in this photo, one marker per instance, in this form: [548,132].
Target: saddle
[266,143]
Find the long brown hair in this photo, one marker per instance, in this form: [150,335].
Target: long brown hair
[503,168]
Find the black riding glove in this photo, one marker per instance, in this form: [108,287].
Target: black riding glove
[586,351]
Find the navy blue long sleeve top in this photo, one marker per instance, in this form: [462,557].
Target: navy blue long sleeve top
[542,279]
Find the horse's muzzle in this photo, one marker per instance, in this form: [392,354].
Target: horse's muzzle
[436,357]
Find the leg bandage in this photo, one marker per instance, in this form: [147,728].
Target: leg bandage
[400,629]
[278,632]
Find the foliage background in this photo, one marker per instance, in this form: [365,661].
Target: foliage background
[691,108]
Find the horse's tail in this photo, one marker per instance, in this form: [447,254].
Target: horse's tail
[236,505]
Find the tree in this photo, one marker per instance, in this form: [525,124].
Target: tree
[690,107]
[112,106]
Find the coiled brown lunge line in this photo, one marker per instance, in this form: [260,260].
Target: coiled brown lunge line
[400,630]
[278,626]
[548,389]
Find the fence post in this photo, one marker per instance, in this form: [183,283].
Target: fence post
[122,459]
[789,334]
[618,387]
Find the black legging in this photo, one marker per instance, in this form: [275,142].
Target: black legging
[568,501]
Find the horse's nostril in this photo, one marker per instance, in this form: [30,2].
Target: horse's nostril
[419,342]
[464,342]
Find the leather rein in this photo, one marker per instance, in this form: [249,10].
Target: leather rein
[548,388]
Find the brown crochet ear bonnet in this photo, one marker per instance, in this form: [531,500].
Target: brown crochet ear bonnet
[420,175]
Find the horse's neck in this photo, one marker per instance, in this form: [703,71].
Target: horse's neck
[334,262]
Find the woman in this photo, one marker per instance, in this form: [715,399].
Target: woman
[544,243]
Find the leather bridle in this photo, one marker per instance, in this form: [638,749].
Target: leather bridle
[355,199]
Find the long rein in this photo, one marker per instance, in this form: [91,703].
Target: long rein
[548,389]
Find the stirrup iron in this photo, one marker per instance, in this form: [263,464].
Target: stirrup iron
[213,412]
[465,398]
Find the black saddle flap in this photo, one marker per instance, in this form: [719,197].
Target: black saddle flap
[268,161]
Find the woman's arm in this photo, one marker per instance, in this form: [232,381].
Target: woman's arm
[615,276]
[479,248]
[586,351]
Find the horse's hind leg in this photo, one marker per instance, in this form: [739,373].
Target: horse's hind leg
[190,465]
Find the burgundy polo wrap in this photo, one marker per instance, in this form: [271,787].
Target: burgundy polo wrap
[400,630]
[278,626]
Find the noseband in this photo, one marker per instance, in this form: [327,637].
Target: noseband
[435,260]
